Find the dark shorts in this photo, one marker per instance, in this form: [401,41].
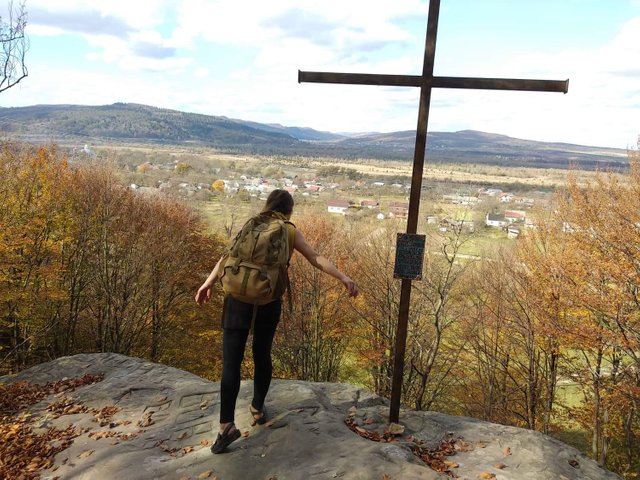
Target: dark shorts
[237,315]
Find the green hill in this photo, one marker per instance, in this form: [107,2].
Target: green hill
[134,123]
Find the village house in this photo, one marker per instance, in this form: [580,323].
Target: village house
[527,202]
[399,209]
[513,232]
[369,204]
[337,206]
[512,216]
[495,220]
[231,186]
[466,226]
[506,197]
[460,199]
[490,192]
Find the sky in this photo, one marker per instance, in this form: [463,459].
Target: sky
[240,59]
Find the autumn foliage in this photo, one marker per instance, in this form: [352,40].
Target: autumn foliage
[87,265]
[544,335]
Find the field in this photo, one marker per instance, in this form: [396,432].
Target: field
[354,181]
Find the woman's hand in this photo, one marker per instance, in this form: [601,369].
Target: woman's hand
[204,294]
[351,286]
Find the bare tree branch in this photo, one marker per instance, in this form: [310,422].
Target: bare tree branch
[13,46]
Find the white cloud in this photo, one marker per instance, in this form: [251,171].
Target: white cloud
[164,50]
[201,72]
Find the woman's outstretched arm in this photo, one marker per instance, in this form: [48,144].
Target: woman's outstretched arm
[323,263]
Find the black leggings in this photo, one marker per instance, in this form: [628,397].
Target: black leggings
[234,339]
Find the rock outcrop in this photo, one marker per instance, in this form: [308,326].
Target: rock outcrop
[149,421]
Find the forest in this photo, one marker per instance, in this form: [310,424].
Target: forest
[542,334]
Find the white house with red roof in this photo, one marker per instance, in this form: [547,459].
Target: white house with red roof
[337,206]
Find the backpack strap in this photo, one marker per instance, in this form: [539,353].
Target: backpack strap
[291,237]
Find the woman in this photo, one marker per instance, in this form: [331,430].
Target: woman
[237,319]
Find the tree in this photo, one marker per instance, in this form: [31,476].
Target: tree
[14,46]
[438,304]
[314,333]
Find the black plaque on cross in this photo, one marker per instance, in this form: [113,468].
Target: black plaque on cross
[409,256]
[426,82]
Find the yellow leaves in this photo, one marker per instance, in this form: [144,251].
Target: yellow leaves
[24,450]
[86,453]
[486,476]
[146,419]
[396,429]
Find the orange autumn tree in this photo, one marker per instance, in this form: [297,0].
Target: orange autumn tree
[376,309]
[584,259]
[316,327]
[439,302]
[88,265]
[31,235]
[602,224]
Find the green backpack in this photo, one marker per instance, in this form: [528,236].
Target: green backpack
[255,267]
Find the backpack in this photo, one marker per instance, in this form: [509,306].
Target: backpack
[255,267]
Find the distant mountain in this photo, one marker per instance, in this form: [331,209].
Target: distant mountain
[128,122]
[134,123]
[472,146]
[295,132]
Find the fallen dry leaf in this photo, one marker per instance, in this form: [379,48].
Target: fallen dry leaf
[451,464]
[368,421]
[481,445]
[395,428]
[206,474]
[205,442]
[86,453]
[574,463]
[183,435]
[386,477]
[102,434]
[204,404]
[146,420]
[499,465]
[187,449]
[486,476]
[506,450]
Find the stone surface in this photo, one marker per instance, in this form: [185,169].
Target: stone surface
[173,419]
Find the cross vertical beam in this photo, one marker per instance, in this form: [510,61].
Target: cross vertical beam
[426,82]
[414,206]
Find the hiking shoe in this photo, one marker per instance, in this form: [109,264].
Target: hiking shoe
[226,438]
[259,416]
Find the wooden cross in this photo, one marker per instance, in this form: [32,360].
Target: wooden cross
[426,82]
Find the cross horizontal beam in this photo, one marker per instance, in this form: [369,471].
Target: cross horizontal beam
[436,82]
